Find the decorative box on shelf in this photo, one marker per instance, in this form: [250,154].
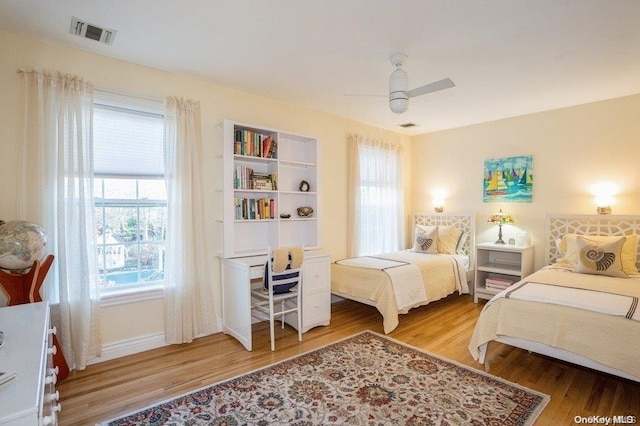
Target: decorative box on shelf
[498,266]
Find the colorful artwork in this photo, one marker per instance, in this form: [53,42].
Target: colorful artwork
[508,179]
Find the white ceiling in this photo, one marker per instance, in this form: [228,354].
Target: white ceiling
[506,57]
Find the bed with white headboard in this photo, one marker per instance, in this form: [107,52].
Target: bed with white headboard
[399,281]
[583,306]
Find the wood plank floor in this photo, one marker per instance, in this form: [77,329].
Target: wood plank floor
[116,387]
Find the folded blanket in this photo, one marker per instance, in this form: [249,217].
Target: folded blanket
[597,301]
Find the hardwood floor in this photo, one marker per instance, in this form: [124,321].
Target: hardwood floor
[116,387]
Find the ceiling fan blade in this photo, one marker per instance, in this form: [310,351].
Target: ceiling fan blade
[431,87]
[374,96]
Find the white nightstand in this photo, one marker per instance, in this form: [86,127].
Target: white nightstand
[502,262]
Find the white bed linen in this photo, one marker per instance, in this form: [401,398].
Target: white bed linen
[603,334]
[442,275]
[406,278]
[597,301]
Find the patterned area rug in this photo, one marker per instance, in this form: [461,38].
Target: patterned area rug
[364,379]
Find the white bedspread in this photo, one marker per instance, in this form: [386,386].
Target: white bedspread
[591,300]
[577,316]
[406,278]
[366,280]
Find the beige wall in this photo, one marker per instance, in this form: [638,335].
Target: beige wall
[572,148]
[123,323]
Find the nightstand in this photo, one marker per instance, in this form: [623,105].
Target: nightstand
[501,263]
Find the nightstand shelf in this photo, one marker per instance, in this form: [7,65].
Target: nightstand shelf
[501,262]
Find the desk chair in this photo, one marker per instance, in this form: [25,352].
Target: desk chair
[281,293]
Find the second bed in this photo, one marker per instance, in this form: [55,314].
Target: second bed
[396,282]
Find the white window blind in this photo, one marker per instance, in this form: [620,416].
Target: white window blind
[128,135]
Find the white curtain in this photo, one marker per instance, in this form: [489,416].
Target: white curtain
[376,208]
[189,301]
[56,191]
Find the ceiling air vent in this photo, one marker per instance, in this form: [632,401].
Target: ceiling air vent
[86,30]
[405,125]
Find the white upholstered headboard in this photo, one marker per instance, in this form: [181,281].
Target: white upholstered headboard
[559,225]
[464,222]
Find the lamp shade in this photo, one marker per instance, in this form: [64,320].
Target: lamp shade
[501,218]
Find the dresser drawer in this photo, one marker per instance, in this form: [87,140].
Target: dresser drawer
[30,398]
[315,276]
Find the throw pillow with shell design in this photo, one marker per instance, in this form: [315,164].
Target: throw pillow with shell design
[426,239]
[600,258]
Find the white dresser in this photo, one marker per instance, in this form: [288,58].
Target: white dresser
[30,398]
[240,274]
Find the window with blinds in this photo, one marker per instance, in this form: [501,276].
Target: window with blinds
[129,190]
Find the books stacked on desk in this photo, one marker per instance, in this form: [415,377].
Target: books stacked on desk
[499,284]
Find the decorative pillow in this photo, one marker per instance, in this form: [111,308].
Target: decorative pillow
[600,258]
[569,255]
[449,238]
[426,239]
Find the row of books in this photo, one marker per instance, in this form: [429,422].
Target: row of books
[252,208]
[246,178]
[496,283]
[254,144]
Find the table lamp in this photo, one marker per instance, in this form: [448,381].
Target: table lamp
[500,218]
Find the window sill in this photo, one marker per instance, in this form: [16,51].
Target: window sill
[131,296]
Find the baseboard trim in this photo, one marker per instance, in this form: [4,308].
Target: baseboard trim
[129,347]
[133,346]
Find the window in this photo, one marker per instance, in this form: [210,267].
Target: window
[130,193]
[378,197]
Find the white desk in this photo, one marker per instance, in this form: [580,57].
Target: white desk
[239,274]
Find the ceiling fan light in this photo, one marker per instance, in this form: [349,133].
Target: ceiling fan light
[399,105]
[398,81]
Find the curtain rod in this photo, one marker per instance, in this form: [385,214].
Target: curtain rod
[110,91]
[121,93]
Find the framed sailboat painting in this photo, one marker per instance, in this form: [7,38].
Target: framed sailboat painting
[508,179]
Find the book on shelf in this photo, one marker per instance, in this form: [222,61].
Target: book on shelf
[262,181]
[246,178]
[254,208]
[253,144]
[242,177]
[273,150]
[266,146]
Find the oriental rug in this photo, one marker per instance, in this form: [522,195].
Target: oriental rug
[365,379]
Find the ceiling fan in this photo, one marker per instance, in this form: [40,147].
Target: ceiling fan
[399,83]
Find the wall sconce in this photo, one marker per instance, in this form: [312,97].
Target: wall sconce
[604,193]
[500,219]
[603,203]
[438,205]
[438,196]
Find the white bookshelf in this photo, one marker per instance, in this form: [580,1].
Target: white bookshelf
[295,159]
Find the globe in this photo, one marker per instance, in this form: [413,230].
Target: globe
[21,244]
